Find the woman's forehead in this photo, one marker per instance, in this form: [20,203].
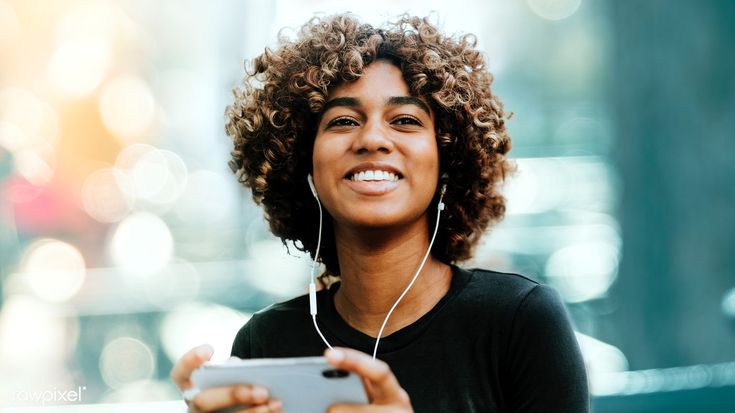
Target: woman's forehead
[382,83]
[379,77]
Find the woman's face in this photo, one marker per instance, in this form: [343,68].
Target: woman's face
[376,161]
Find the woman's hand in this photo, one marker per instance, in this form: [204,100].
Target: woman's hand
[384,392]
[219,398]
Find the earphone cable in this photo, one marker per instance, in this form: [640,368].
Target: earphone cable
[440,207]
[312,284]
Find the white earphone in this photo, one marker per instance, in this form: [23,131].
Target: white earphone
[311,185]
[312,285]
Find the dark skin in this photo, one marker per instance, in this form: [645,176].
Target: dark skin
[381,229]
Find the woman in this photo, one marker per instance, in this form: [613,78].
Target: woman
[405,145]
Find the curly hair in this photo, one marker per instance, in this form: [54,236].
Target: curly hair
[276,110]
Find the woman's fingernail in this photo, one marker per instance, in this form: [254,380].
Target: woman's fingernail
[275,405]
[260,393]
[205,350]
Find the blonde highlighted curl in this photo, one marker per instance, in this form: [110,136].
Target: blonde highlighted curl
[275,113]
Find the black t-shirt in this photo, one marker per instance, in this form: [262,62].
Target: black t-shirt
[495,342]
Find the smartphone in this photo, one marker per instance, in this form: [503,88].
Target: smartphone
[302,384]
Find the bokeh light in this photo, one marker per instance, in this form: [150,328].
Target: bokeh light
[36,166]
[544,184]
[125,360]
[536,187]
[32,333]
[36,118]
[36,344]
[125,164]
[196,323]
[268,258]
[78,66]
[141,244]
[602,359]
[55,269]
[159,177]
[29,129]
[728,303]
[583,271]
[665,380]
[102,196]
[11,135]
[208,198]
[89,19]
[589,184]
[127,108]
[154,176]
[554,9]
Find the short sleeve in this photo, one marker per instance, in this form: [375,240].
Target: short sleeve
[545,370]
[241,346]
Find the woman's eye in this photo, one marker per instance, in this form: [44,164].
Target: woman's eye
[342,122]
[407,120]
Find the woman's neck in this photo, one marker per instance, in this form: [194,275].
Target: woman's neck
[377,266]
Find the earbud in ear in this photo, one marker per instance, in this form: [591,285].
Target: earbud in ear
[444,179]
[311,185]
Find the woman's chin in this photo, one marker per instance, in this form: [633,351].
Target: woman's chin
[375,221]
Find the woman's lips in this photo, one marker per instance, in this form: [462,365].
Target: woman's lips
[372,188]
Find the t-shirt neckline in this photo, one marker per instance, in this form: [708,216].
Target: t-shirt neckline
[349,336]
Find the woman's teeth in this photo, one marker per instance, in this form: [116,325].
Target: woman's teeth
[374,176]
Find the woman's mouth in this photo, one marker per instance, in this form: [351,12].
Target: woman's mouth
[373,176]
[372,182]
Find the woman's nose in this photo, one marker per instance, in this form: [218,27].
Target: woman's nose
[373,137]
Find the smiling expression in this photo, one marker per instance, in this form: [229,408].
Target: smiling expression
[376,161]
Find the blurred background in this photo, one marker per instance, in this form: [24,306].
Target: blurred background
[125,240]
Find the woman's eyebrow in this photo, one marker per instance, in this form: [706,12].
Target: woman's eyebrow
[344,101]
[409,100]
[393,100]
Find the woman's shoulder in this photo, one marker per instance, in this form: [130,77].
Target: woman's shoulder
[289,310]
[499,279]
[496,286]
[510,294]
[285,319]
